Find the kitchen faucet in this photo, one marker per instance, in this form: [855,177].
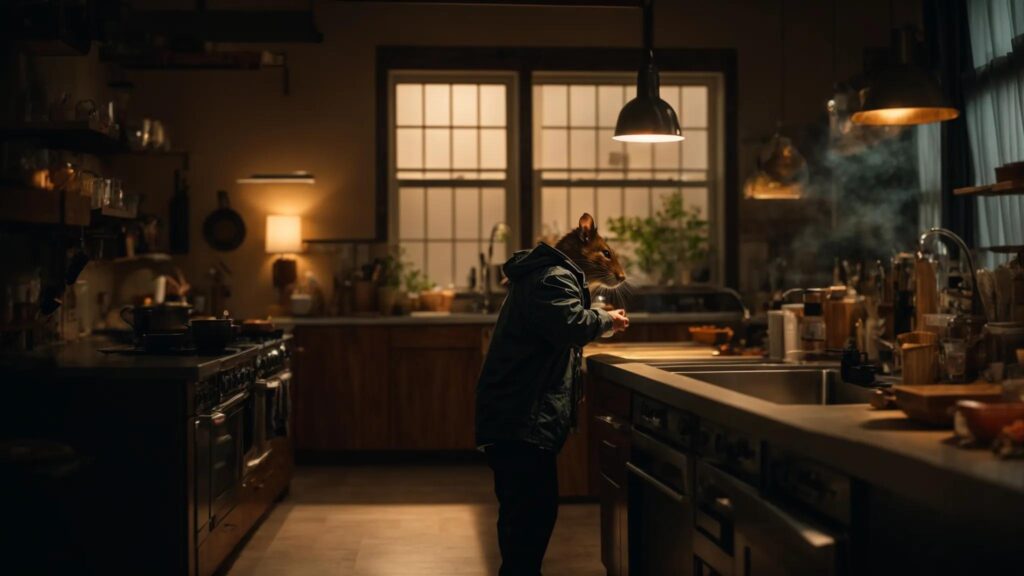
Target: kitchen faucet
[976,303]
[499,229]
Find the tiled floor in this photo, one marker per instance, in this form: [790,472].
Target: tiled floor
[403,521]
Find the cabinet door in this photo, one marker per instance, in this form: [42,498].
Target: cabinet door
[610,494]
[340,395]
[433,373]
[574,459]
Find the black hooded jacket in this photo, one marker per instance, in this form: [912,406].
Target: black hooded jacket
[529,386]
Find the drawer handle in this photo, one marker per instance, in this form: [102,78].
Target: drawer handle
[613,422]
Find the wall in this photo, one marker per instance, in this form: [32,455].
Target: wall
[238,123]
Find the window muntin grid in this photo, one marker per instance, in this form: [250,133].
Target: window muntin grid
[451,165]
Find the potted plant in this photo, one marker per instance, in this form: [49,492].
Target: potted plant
[391,276]
[668,245]
[416,282]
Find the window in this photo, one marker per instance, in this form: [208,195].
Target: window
[451,169]
[579,168]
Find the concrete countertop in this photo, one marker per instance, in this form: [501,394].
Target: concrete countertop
[441,318]
[85,359]
[881,447]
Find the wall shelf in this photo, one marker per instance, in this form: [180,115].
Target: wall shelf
[1004,188]
[33,206]
[76,136]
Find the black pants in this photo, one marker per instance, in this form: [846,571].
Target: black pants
[526,484]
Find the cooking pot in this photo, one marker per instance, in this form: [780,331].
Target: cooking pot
[212,334]
[162,318]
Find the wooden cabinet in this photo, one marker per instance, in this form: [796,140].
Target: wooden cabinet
[610,447]
[344,402]
[432,377]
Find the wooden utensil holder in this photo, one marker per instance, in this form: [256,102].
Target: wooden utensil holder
[919,357]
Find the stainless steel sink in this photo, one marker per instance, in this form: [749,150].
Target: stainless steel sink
[798,385]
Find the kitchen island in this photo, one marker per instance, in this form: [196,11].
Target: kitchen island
[880,492]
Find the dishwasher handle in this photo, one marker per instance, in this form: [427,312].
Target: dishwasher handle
[657,484]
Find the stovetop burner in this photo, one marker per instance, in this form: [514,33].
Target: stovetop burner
[188,351]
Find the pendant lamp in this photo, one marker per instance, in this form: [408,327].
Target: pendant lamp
[648,118]
[781,169]
[903,94]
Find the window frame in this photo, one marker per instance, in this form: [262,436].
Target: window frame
[524,62]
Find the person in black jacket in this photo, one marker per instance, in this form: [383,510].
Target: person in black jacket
[529,387]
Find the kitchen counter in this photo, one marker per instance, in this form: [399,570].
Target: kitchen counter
[882,447]
[85,359]
[442,318]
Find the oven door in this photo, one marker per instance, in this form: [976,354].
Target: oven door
[739,532]
[660,509]
[219,453]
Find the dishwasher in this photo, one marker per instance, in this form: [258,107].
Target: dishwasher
[658,479]
[739,532]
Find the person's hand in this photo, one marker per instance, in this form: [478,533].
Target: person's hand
[619,320]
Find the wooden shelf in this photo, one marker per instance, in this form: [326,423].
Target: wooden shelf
[1005,188]
[77,136]
[31,206]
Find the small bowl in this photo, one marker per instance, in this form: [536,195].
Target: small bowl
[985,420]
[711,335]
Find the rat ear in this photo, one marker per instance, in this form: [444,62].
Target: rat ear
[587,229]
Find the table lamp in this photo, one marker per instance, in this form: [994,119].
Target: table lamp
[284,236]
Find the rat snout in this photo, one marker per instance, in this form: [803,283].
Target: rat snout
[620,276]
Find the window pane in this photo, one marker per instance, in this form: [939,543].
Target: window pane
[609,205]
[694,112]
[438,104]
[610,100]
[554,148]
[467,257]
[639,155]
[583,147]
[439,213]
[695,149]
[696,198]
[637,202]
[583,105]
[464,145]
[467,213]
[492,208]
[554,101]
[553,205]
[410,213]
[439,262]
[464,105]
[438,148]
[409,104]
[658,196]
[492,105]
[409,148]
[414,253]
[666,155]
[492,148]
[580,200]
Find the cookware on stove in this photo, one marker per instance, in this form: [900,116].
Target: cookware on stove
[170,317]
[224,229]
[212,334]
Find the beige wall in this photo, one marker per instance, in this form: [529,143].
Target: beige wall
[237,123]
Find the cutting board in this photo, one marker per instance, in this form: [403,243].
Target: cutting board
[931,403]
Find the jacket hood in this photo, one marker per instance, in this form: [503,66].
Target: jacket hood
[524,262]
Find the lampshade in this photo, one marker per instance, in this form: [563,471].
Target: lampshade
[284,234]
[903,94]
[647,118]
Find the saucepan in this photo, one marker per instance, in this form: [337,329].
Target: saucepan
[213,334]
[162,318]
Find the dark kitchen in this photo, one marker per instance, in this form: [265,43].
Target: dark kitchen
[511,287]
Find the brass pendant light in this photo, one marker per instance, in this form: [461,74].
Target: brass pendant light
[903,94]
[781,169]
[648,118]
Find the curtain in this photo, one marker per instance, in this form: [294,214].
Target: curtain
[929,175]
[995,116]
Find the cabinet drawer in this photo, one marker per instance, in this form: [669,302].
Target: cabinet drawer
[611,399]
[611,445]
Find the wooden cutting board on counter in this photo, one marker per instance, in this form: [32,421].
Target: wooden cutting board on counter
[931,403]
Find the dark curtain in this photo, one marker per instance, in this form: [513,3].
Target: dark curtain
[949,48]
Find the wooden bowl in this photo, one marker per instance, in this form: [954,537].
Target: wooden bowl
[985,420]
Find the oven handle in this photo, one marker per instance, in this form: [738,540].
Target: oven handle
[217,416]
[662,487]
[274,382]
[250,464]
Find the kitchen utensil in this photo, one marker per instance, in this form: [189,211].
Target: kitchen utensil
[212,334]
[954,351]
[983,421]
[918,356]
[926,298]
[987,293]
[163,318]
[257,327]
[841,316]
[931,404]
[224,229]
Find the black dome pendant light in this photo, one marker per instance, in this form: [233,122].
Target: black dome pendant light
[648,118]
[904,93]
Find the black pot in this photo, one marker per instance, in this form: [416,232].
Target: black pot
[162,318]
[212,335]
